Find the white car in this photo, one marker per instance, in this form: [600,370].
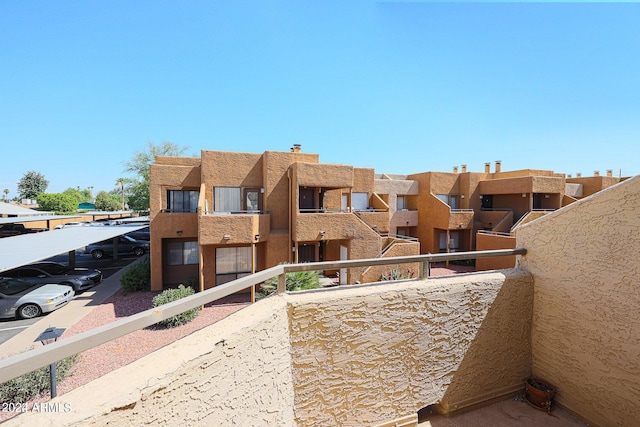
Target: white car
[28,300]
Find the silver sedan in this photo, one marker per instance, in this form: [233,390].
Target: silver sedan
[28,300]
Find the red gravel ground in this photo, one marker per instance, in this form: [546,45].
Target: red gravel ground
[110,356]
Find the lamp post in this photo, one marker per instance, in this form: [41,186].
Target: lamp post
[47,337]
[122,188]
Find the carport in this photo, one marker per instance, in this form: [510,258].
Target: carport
[24,249]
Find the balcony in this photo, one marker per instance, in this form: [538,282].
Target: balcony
[405,218]
[461,219]
[240,227]
[166,222]
[323,357]
[324,224]
[375,353]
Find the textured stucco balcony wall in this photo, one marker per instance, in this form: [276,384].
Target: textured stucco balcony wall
[367,354]
[236,372]
[586,328]
[356,355]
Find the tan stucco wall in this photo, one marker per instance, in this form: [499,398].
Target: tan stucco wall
[388,350]
[323,175]
[586,328]
[234,373]
[397,248]
[487,242]
[276,183]
[229,169]
[593,184]
[170,173]
[363,180]
[356,355]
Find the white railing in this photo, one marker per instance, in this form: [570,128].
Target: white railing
[20,364]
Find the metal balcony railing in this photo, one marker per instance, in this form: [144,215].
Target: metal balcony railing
[238,212]
[20,364]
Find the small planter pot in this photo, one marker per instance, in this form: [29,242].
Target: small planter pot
[539,393]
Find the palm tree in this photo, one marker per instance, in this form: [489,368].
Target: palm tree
[6,191]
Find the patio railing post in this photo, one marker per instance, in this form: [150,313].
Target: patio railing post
[282,281]
[425,269]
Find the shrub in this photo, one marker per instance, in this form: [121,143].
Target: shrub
[175,294]
[297,281]
[137,277]
[397,274]
[34,383]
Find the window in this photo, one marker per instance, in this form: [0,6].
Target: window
[443,197]
[183,253]
[182,200]
[360,201]
[226,199]
[252,199]
[232,263]
[401,203]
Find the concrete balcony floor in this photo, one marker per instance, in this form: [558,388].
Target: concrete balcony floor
[514,412]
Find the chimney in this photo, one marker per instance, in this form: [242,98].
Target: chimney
[498,166]
[464,168]
[596,173]
[578,175]
[569,176]
[487,168]
[609,172]
[455,169]
[296,148]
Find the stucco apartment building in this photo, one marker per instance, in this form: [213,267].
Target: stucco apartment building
[228,214]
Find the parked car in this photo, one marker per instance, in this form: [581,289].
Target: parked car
[73,224]
[142,234]
[7,230]
[126,245]
[80,279]
[26,300]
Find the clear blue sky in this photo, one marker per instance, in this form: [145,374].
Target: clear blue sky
[399,87]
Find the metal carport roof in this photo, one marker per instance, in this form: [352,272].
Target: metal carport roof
[32,218]
[27,248]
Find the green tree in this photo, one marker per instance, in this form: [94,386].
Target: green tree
[137,187]
[32,185]
[138,197]
[78,195]
[107,202]
[57,202]
[296,281]
[6,191]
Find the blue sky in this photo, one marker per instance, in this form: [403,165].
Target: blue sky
[399,87]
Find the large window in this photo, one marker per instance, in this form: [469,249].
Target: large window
[232,263]
[360,201]
[226,199]
[182,200]
[182,253]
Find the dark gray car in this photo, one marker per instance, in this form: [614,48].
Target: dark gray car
[80,279]
[126,245]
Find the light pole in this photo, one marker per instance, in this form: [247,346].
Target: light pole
[121,182]
[47,337]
